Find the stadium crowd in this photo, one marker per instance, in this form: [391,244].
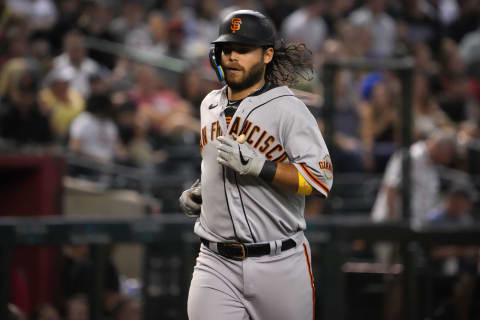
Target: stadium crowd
[62,92]
[57,89]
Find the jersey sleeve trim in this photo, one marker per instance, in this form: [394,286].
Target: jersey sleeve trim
[314,179]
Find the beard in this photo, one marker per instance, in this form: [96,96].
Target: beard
[251,78]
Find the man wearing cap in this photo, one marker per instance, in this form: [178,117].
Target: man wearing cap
[262,153]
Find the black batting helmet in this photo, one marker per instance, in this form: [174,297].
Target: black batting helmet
[246,27]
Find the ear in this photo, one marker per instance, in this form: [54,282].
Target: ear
[268,55]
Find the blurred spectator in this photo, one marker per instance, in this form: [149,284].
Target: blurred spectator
[41,54]
[278,10]
[41,14]
[94,22]
[176,36]
[68,13]
[337,10]
[78,276]
[468,137]
[455,266]
[9,74]
[423,24]
[100,82]
[131,16]
[16,40]
[356,40]
[93,132]
[122,76]
[5,13]
[424,62]
[133,133]
[61,102]
[426,157]
[193,88]
[427,115]
[447,10]
[466,21]
[161,106]
[306,25]
[45,312]
[379,122]
[75,58]
[201,29]
[175,9]
[381,26]
[349,149]
[451,87]
[455,210]
[20,118]
[128,309]
[77,308]
[470,52]
[39,60]
[151,37]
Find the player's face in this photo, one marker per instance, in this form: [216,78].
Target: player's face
[243,65]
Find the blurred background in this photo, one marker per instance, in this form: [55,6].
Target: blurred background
[99,134]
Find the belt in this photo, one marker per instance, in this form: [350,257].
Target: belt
[240,251]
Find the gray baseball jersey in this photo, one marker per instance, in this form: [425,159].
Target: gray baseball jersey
[279,127]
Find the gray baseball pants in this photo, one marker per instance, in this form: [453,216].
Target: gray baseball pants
[273,287]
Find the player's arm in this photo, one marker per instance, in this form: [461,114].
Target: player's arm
[287,177]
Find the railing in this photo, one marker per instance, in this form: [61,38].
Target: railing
[172,234]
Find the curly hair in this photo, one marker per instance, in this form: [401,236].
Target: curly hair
[291,61]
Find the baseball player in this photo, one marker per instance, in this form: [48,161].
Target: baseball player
[262,153]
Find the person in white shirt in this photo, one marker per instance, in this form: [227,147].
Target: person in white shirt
[306,25]
[425,158]
[93,133]
[75,58]
[381,25]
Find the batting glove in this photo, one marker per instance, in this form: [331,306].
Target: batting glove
[239,157]
[191,200]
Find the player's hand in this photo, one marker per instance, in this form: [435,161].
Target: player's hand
[191,200]
[237,156]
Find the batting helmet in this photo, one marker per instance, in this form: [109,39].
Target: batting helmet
[246,27]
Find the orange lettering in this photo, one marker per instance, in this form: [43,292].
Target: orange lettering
[219,130]
[236,22]
[213,129]
[245,127]
[266,144]
[204,136]
[278,148]
[260,138]
[254,129]
[234,129]
[326,165]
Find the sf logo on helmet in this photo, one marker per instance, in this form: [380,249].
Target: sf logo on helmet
[236,22]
